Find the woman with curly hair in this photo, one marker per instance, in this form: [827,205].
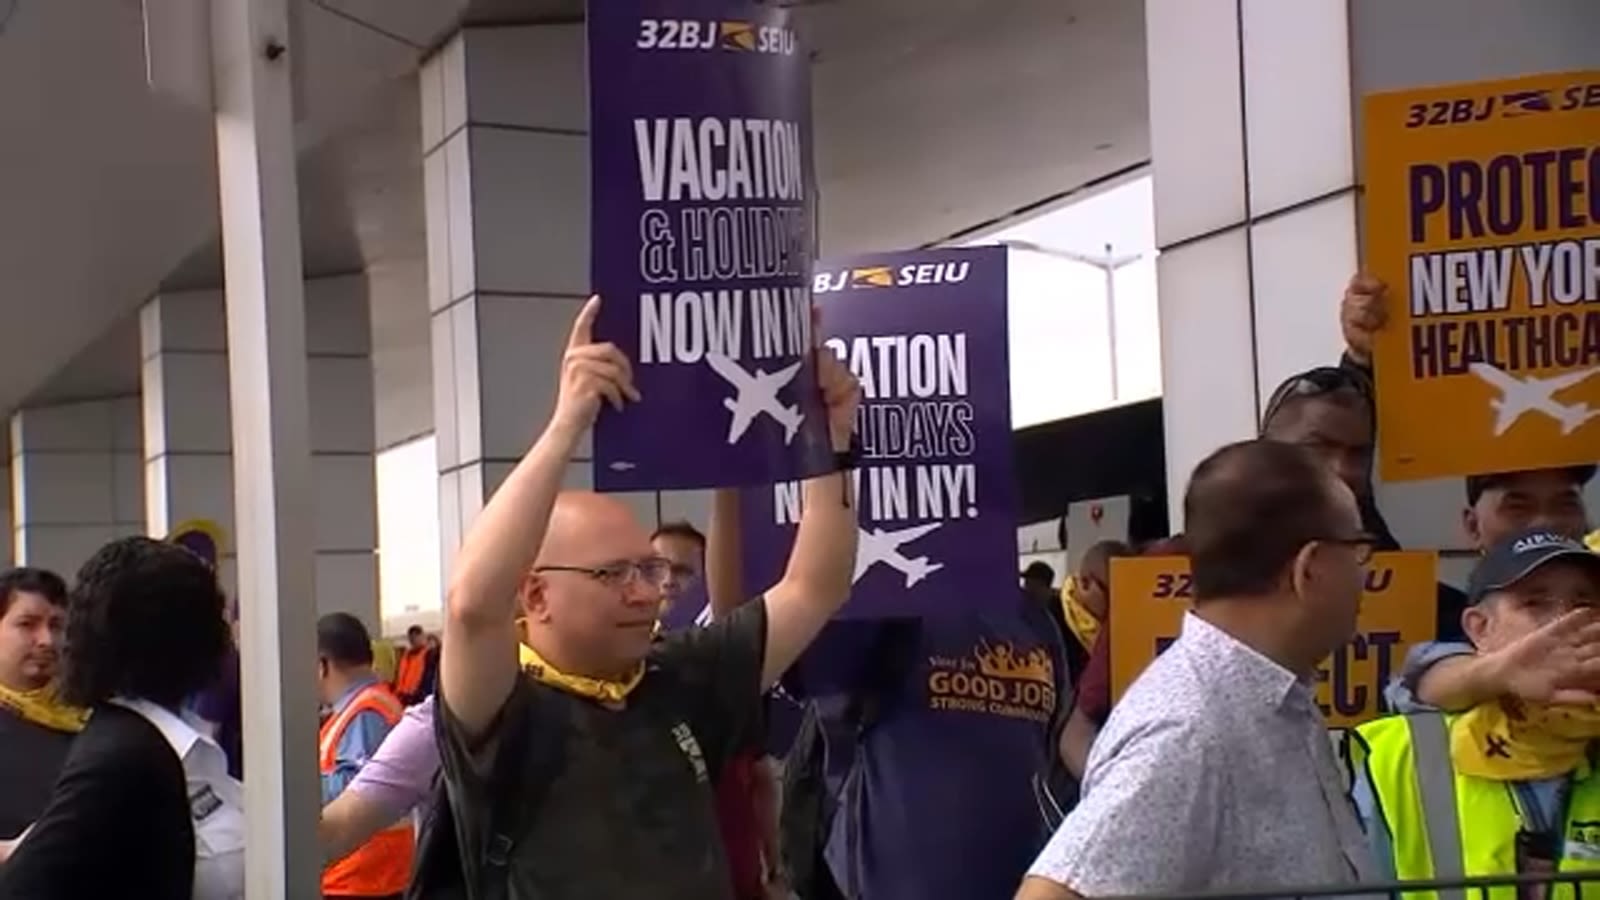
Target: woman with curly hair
[144,806]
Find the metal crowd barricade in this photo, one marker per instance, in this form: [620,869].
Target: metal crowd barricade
[1551,886]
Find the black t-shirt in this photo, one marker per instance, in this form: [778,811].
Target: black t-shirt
[632,812]
[118,823]
[30,758]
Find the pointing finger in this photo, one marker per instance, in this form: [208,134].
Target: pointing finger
[583,325]
[1574,697]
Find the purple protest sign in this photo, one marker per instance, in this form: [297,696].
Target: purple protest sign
[925,333]
[690,608]
[701,184]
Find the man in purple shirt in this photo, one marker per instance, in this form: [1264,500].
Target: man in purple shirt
[397,779]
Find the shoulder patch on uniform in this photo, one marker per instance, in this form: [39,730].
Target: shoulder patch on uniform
[203,801]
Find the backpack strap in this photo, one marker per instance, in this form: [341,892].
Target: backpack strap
[436,866]
[530,758]
[803,806]
[457,860]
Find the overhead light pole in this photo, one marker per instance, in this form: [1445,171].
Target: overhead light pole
[1109,264]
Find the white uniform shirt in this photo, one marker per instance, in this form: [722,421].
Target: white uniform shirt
[216,802]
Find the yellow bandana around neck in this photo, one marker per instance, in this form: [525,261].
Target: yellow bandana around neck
[580,685]
[41,707]
[1085,627]
[1507,740]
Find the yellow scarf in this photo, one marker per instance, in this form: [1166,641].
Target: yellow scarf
[41,707]
[1085,627]
[1507,740]
[583,686]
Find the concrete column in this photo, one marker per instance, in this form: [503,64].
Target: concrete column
[188,461]
[74,480]
[1254,128]
[506,177]
[187,426]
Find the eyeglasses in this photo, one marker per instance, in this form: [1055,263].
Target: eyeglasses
[653,571]
[1319,381]
[1362,544]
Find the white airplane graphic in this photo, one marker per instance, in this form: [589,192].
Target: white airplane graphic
[1520,396]
[758,394]
[879,546]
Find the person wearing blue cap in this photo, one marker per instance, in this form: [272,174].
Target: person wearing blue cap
[1514,772]
[1447,674]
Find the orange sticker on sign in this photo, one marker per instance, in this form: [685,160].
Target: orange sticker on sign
[1150,594]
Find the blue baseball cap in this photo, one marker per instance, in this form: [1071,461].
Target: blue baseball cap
[1519,555]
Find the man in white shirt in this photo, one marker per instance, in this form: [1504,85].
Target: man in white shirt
[1215,773]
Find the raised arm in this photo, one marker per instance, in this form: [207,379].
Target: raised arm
[350,821]
[823,561]
[394,781]
[1362,312]
[1557,663]
[724,555]
[479,660]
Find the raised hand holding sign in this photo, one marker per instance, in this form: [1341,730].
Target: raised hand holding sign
[591,372]
[841,397]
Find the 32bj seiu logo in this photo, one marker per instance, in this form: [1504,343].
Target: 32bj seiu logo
[1180,585]
[1506,105]
[695,34]
[867,277]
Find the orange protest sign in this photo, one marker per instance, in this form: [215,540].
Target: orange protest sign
[1150,594]
[1483,216]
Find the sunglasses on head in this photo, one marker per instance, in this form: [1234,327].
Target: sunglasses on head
[1316,383]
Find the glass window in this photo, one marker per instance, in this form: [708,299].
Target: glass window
[1082,305]
[409,585]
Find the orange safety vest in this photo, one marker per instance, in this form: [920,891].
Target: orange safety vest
[408,675]
[382,866]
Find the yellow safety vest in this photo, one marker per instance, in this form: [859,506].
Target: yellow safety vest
[1445,826]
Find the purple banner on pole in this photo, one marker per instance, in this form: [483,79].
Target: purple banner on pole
[702,236]
[925,333]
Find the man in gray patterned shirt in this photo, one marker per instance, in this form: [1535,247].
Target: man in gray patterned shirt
[1215,771]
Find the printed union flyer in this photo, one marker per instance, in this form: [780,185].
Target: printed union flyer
[1483,216]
